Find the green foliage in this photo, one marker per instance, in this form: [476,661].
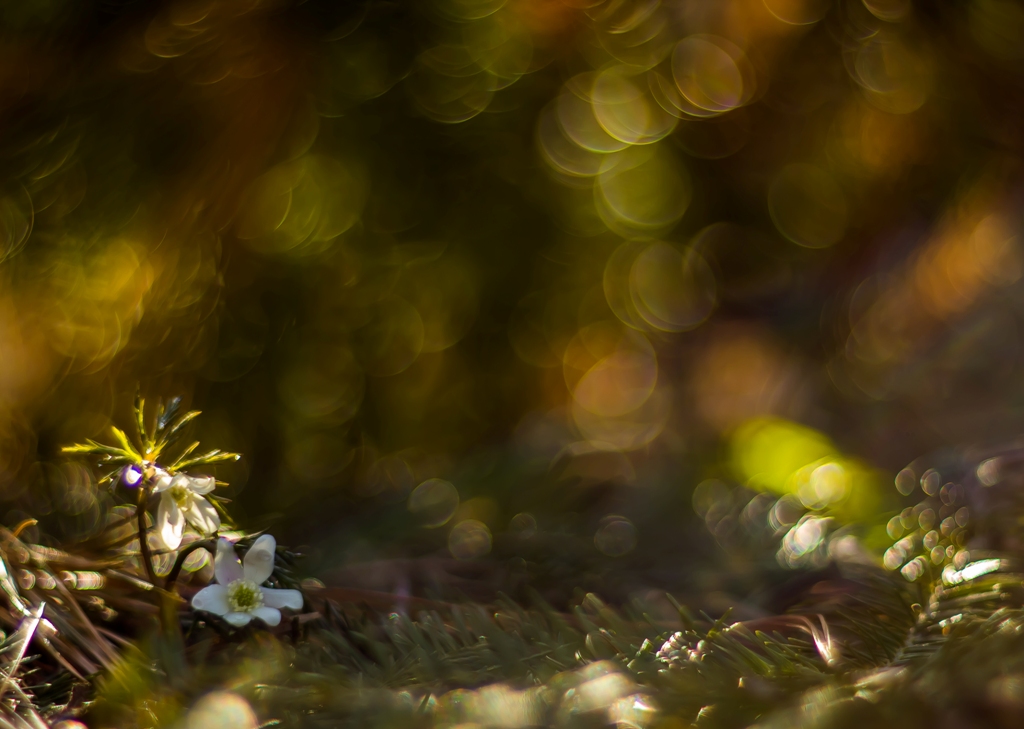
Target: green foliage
[836,657]
[877,645]
[455,663]
[151,443]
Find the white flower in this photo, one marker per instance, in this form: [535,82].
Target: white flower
[181,500]
[237,595]
[131,475]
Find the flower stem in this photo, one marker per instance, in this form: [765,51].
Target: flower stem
[172,577]
[140,513]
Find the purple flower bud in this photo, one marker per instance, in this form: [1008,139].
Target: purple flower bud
[131,476]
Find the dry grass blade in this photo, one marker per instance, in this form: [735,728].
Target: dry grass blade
[26,631]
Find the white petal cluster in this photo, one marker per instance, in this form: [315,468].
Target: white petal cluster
[181,501]
[238,595]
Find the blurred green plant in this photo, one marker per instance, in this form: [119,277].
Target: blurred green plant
[166,429]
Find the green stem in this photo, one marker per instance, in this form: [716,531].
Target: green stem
[140,514]
[172,577]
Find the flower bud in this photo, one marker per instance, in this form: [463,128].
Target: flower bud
[131,476]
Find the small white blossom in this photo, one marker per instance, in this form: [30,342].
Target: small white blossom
[238,595]
[131,475]
[181,500]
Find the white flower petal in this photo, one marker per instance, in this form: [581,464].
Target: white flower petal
[203,516]
[282,598]
[162,482]
[212,599]
[259,560]
[238,619]
[268,615]
[202,484]
[225,564]
[170,522]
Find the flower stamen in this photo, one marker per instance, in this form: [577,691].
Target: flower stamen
[182,496]
[244,596]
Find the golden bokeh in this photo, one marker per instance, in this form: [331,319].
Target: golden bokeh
[494,291]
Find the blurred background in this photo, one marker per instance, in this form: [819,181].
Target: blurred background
[612,295]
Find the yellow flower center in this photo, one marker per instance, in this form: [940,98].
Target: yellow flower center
[244,596]
[182,496]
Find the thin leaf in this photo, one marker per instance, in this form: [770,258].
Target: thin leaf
[91,447]
[125,443]
[188,450]
[140,421]
[207,459]
[167,414]
[172,435]
[24,635]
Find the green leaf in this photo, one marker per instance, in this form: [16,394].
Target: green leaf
[207,459]
[188,451]
[125,443]
[91,447]
[140,420]
[167,413]
[176,429]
